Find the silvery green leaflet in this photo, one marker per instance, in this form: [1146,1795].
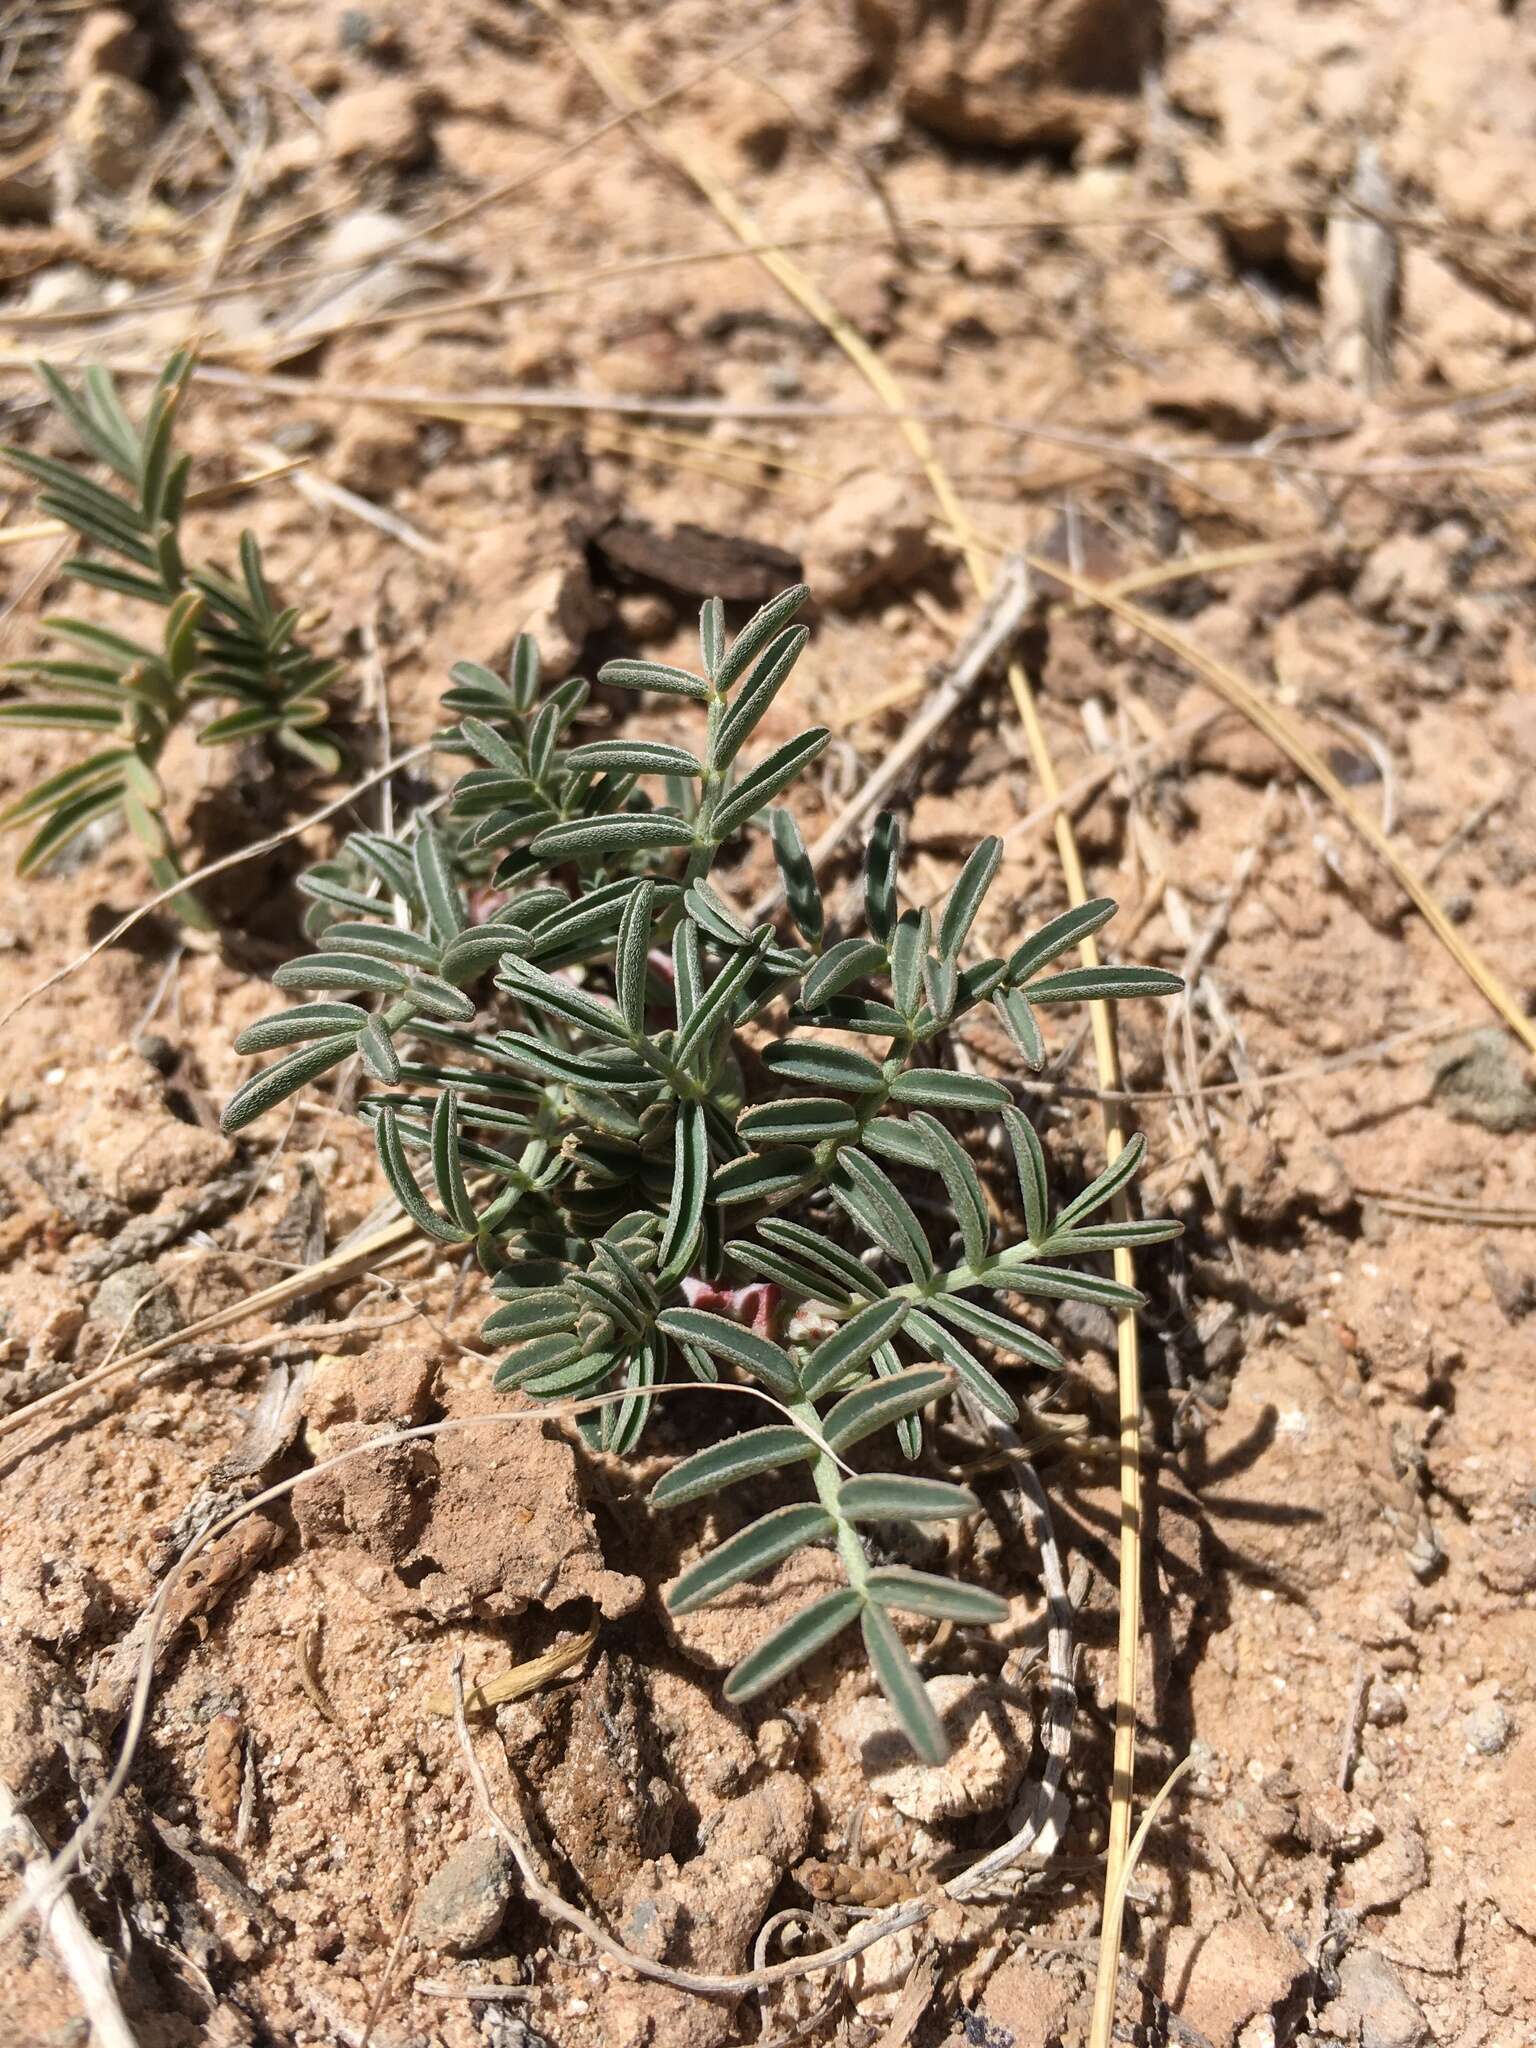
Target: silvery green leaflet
[222,638]
[549,991]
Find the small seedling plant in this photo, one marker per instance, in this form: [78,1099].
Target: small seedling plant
[644,1117]
[217,636]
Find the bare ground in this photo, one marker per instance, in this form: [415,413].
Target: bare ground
[1106,267]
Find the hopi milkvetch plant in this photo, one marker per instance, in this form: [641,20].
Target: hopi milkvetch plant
[560,1001]
[218,637]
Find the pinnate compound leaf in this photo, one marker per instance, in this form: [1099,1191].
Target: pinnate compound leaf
[378,1051]
[1029,1157]
[801,891]
[1109,1183]
[690,1186]
[851,1347]
[758,631]
[999,1331]
[768,780]
[284,1077]
[880,863]
[945,1346]
[1057,1283]
[938,1088]
[768,1263]
[1018,1020]
[448,1163]
[756,694]
[914,1592]
[965,898]
[561,998]
[869,1195]
[403,1183]
[838,968]
[1057,937]
[798,1120]
[822,1066]
[653,675]
[1109,1237]
[892,1137]
[632,956]
[963,1186]
[883,1402]
[598,838]
[764,1176]
[341,970]
[634,757]
[439,892]
[531,1361]
[304,1021]
[1101,984]
[841,1267]
[712,636]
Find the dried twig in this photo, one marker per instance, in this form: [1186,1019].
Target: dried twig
[82,1957]
[1354,1721]
[256,851]
[342,1265]
[1426,1207]
[321,493]
[1277,726]
[999,623]
[531,1676]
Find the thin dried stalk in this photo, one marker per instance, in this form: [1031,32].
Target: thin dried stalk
[81,1956]
[530,1676]
[1277,726]
[614,81]
[237,859]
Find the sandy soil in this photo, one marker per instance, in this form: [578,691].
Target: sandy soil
[1106,251]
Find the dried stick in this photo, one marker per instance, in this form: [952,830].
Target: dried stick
[80,1954]
[998,625]
[888,391]
[217,867]
[1277,726]
[340,1266]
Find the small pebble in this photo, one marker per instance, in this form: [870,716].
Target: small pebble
[1387,1707]
[463,1906]
[1488,1728]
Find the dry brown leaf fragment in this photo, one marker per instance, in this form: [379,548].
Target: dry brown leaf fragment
[521,1680]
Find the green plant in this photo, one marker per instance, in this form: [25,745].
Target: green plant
[642,1183]
[221,636]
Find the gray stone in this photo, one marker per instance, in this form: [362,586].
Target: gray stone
[1389,2017]
[116,1303]
[1481,1079]
[463,1906]
[1488,1728]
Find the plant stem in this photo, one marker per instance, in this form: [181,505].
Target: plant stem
[828,1480]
